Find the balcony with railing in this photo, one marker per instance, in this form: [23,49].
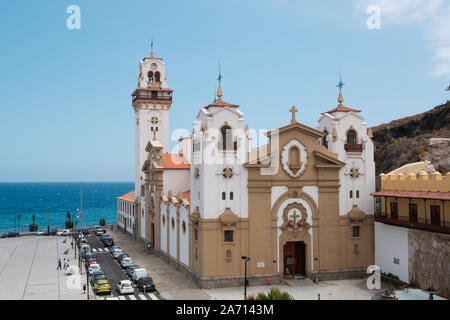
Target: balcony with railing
[152,95]
[353,147]
[434,225]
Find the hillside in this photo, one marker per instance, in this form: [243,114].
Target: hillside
[408,140]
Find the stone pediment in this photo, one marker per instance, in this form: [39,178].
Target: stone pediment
[327,160]
[228,217]
[299,127]
[356,215]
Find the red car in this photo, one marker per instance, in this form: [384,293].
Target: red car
[90,261]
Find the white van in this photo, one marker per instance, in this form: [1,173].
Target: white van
[138,273]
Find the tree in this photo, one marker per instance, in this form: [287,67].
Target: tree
[273,294]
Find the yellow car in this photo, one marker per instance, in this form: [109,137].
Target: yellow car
[102,286]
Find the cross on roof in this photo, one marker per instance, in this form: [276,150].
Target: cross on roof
[293,111]
[340,84]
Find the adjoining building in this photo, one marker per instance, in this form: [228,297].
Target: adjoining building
[412,226]
[298,206]
[125,213]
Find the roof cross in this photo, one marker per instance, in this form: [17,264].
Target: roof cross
[293,111]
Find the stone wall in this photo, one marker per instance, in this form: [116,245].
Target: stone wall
[429,256]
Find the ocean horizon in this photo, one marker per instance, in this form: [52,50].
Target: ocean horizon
[56,199]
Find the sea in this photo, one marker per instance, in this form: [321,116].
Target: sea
[20,201]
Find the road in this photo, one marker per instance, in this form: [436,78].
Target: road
[114,273]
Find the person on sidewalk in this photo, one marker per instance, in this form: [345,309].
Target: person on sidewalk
[64,266]
[59,264]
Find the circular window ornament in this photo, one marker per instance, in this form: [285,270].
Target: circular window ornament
[154,66]
[227,173]
[294,166]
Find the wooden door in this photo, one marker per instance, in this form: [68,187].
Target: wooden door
[435,213]
[394,210]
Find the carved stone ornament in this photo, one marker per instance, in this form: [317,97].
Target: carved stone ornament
[294,218]
[197,172]
[354,173]
[227,173]
[294,167]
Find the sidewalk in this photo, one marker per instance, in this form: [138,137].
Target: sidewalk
[28,269]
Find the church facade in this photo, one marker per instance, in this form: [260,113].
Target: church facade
[298,206]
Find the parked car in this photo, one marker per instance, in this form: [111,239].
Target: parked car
[90,261]
[94,268]
[97,275]
[99,232]
[129,269]
[85,232]
[145,284]
[10,234]
[117,253]
[102,286]
[108,242]
[91,256]
[112,248]
[138,273]
[105,235]
[123,255]
[64,233]
[125,262]
[125,287]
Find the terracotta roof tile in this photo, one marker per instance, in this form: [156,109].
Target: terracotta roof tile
[129,197]
[414,194]
[175,161]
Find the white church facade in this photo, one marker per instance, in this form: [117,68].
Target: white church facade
[298,206]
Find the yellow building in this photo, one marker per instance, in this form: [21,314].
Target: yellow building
[412,226]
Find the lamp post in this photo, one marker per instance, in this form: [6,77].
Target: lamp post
[246,259]
[18,217]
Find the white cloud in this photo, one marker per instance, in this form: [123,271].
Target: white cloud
[433,16]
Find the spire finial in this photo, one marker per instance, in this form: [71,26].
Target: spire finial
[219,90]
[340,85]
[151,51]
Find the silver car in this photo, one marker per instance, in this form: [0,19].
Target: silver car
[126,262]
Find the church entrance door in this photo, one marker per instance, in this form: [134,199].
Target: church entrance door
[294,256]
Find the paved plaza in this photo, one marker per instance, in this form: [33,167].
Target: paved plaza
[28,269]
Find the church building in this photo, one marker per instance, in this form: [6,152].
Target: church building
[298,206]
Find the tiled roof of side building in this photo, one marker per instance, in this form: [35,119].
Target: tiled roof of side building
[129,197]
[175,161]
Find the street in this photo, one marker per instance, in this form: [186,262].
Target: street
[114,273]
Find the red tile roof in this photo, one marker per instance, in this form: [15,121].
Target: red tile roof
[186,195]
[175,161]
[414,194]
[129,197]
[341,108]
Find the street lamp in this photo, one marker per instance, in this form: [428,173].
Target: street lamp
[246,259]
[18,217]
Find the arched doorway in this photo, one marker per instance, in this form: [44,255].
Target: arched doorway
[294,259]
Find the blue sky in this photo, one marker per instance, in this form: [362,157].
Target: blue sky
[65,101]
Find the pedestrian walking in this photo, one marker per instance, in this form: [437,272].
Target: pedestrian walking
[71,244]
[59,264]
[64,266]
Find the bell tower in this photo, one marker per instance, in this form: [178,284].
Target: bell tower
[151,102]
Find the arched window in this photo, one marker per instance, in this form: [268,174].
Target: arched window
[226,137]
[357,193]
[150,76]
[351,194]
[231,195]
[325,141]
[224,196]
[157,76]
[351,136]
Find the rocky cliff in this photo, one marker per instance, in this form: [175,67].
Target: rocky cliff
[411,139]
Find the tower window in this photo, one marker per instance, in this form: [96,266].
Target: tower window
[355,231]
[228,235]
[224,196]
[231,195]
[351,194]
[226,137]
[357,194]
[157,76]
[351,136]
[150,76]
